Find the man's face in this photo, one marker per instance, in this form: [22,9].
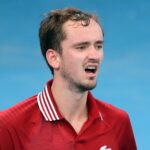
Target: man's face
[82,52]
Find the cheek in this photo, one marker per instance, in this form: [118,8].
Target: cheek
[68,63]
[72,62]
[74,65]
[101,55]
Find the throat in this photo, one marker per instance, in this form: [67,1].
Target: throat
[77,124]
[71,104]
[77,117]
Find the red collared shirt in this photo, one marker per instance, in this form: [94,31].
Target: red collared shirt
[36,123]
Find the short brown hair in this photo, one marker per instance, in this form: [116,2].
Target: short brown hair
[51,33]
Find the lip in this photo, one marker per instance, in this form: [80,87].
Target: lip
[92,74]
[92,65]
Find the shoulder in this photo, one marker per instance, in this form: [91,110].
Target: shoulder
[19,113]
[118,120]
[17,121]
[111,113]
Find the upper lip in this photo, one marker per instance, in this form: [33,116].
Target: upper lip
[91,66]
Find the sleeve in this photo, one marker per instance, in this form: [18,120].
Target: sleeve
[5,139]
[128,140]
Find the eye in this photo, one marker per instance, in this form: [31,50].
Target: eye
[81,47]
[99,46]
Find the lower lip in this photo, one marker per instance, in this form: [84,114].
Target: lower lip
[91,75]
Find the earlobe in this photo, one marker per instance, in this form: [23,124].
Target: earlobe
[52,58]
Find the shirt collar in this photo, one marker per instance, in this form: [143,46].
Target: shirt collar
[93,110]
[47,104]
[50,111]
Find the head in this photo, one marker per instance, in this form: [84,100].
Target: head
[51,30]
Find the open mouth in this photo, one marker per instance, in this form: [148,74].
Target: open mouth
[91,69]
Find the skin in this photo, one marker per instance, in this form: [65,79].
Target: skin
[82,48]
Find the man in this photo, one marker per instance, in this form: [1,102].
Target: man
[65,115]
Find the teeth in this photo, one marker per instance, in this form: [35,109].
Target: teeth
[91,67]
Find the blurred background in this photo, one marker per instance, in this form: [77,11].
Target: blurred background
[124,77]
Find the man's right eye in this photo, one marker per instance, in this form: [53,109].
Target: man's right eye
[81,47]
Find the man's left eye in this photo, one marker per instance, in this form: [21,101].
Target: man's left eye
[99,46]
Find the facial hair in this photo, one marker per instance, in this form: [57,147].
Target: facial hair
[76,85]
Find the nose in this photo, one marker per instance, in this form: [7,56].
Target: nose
[95,54]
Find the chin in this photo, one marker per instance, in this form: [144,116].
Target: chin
[87,87]
[90,87]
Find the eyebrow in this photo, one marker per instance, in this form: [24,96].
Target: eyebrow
[99,42]
[86,43]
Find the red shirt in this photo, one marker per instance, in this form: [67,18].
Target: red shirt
[37,124]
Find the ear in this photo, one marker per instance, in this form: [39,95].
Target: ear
[53,58]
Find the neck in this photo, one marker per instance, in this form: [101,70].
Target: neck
[71,104]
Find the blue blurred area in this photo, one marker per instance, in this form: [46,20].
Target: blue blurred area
[124,75]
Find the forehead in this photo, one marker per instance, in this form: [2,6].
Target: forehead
[76,29]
